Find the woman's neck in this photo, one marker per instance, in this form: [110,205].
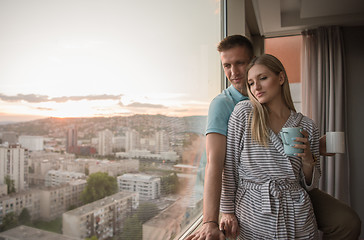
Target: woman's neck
[278,116]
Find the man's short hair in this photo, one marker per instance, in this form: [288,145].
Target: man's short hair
[236,41]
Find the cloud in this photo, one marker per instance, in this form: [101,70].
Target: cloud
[35,98]
[88,97]
[142,105]
[181,110]
[32,98]
[44,109]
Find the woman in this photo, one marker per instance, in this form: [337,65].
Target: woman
[264,188]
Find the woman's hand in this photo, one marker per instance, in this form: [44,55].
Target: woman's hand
[308,161]
[306,156]
[229,225]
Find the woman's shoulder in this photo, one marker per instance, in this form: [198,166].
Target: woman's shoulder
[307,121]
[243,106]
[242,110]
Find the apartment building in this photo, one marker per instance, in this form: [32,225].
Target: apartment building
[32,143]
[57,177]
[71,139]
[9,138]
[166,224]
[56,200]
[118,142]
[115,168]
[30,233]
[14,164]
[132,140]
[161,141]
[3,190]
[29,199]
[105,142]
[46,203]
[103,218]
[148,187]
[170,156]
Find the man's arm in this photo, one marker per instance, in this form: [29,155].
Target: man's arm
[215,152]
[323,147]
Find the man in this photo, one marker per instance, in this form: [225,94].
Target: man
[335,219]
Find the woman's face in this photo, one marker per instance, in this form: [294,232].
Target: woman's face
[264,84]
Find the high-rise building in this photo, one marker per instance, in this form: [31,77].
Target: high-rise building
[119,143]
[56,200]
[13,163]
[103,218]
[58,177]
[161,141]
[9,138]
[148,187]
[29,199]
[132,140]
[71,140]
[105,142]
[32,143]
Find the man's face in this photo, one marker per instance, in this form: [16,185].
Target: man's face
[234,61]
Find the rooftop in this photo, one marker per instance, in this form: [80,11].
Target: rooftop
[94,206]
[29,233]
[137,176]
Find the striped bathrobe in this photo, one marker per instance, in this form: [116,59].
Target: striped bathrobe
[264,187]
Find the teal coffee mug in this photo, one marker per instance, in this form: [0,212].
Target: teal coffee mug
[288,136]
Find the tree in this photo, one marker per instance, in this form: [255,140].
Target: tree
[24,217]
[99,185]
[10,183]
[169,184]
[9,221]
[87,171]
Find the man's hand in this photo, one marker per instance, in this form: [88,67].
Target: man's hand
[208,231]
[229,224]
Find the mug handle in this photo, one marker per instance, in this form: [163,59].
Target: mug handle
[284,138]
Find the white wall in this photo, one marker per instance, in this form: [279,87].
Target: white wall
[354,48]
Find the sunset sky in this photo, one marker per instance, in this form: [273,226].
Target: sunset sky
[84,58]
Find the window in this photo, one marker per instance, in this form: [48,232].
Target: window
[288,51]
[121,87]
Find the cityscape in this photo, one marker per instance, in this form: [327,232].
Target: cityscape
[132,177]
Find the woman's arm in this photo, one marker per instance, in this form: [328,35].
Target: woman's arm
[311,170]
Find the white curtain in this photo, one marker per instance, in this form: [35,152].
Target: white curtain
[323,100]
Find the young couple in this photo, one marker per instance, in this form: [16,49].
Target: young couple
[265,194]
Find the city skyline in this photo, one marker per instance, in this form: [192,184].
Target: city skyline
[86,59]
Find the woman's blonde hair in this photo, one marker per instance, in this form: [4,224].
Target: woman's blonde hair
[260,118]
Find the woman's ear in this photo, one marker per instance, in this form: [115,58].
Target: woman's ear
[282,78]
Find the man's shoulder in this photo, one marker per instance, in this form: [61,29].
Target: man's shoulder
[219,113]
[223,98]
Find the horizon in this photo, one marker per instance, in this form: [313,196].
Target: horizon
[36,118]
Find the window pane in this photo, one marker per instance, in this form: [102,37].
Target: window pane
[114,87]
[288,51]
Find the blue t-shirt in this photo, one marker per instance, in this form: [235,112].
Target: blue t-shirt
[221,108]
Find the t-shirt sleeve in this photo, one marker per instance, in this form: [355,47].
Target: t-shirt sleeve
[218,116]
